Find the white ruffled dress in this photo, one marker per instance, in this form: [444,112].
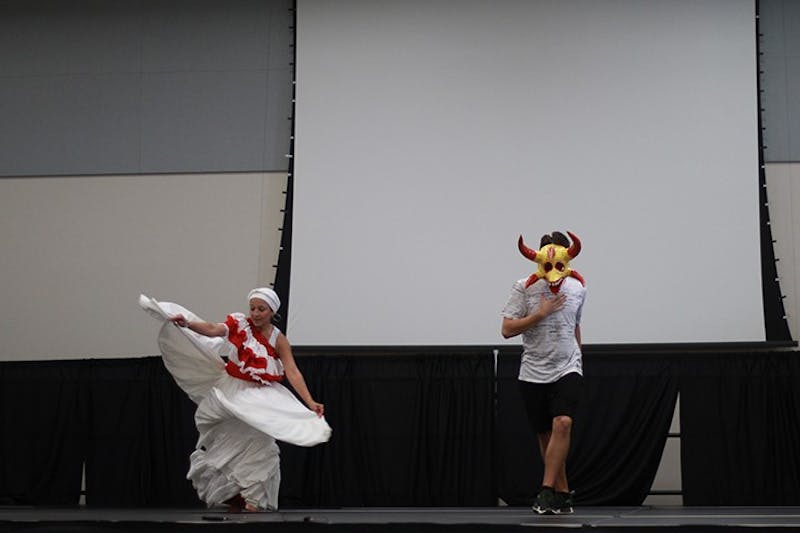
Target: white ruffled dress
[242,409]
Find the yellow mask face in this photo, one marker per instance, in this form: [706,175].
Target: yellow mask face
[553,261]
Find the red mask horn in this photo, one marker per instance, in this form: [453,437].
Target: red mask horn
[577,276]
[527,252]
[575,249]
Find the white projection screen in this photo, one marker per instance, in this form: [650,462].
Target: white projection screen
[430,134]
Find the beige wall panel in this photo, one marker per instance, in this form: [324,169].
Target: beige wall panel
[78,251]
[783,193]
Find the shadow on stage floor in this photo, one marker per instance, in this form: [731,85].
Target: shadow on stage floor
[400,520]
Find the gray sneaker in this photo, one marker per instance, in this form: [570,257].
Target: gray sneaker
[563,503]
[546,502]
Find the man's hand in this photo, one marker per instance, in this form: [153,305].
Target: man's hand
[512,327]
[548,306]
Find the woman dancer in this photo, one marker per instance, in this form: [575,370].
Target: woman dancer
[242,409]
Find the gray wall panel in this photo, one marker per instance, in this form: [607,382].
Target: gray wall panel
[281,34]
[780,79]
[279,112]
[57,37]
[122,86]
[205,35]
[791,26]
[203,121]
[69,124]
[771,23]
[793,105]
[775,105]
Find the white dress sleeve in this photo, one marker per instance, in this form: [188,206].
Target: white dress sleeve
[194,360]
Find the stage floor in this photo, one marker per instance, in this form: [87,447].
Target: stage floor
[401,519]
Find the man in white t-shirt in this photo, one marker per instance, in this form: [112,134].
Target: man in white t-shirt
[546,310]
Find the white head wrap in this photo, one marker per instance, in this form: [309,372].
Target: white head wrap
[268,295]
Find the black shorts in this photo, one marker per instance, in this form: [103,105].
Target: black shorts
[545,401]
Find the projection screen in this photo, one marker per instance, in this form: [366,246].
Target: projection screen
[430,134]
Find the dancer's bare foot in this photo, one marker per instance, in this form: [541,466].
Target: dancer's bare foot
[250,508]
[236,504]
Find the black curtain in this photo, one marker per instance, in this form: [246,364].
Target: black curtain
[139,436]
[415,430]
[42,407]
[618,435]
[740,430]
[125,418]
[408,430]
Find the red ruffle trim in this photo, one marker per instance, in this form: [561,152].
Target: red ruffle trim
[251,367]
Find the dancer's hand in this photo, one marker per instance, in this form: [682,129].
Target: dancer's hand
[180,320]
[317,408]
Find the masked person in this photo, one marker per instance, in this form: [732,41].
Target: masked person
[546,310]
[242,408]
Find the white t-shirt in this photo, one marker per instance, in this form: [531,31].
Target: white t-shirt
[550,349]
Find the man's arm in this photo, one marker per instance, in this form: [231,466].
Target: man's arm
[512,327]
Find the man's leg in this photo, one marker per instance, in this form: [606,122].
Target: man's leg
[544,440]
[536,400]
[555,454]
[561,480]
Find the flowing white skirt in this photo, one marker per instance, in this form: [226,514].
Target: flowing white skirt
[238,421]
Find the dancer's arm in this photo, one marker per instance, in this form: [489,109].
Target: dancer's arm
[209,329]
[294,375]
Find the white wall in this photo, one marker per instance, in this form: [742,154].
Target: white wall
[428,137]
[78,251]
